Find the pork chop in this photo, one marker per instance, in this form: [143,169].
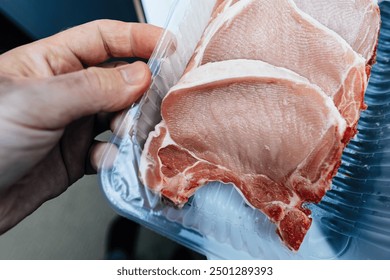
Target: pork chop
[277,32]
[357,21]
[274,135]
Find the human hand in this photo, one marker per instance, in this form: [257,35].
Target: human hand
[53,103]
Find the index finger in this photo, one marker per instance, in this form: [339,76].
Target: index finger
[95,42]
[85,45]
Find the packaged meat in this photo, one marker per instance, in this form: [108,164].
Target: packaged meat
[275,114]
[217,221]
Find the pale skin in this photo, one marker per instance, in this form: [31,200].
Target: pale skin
[54,100]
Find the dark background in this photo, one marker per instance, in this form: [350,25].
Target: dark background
[22,21]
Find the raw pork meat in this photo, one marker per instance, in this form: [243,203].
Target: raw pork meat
[357,21]
[274,135]
[277,32]
[268,102]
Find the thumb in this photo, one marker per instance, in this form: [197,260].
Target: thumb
[74,95]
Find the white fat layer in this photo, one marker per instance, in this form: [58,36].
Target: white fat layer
[235,68]
[229,13]
[244,68]
[145,160]
[227,4]
[168,140]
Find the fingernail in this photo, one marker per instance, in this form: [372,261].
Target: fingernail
[134,74]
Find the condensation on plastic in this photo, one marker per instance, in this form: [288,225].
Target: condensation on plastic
[352,221]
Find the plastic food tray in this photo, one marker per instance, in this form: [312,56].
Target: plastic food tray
[352,221]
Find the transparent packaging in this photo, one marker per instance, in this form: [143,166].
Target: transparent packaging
[352,221]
